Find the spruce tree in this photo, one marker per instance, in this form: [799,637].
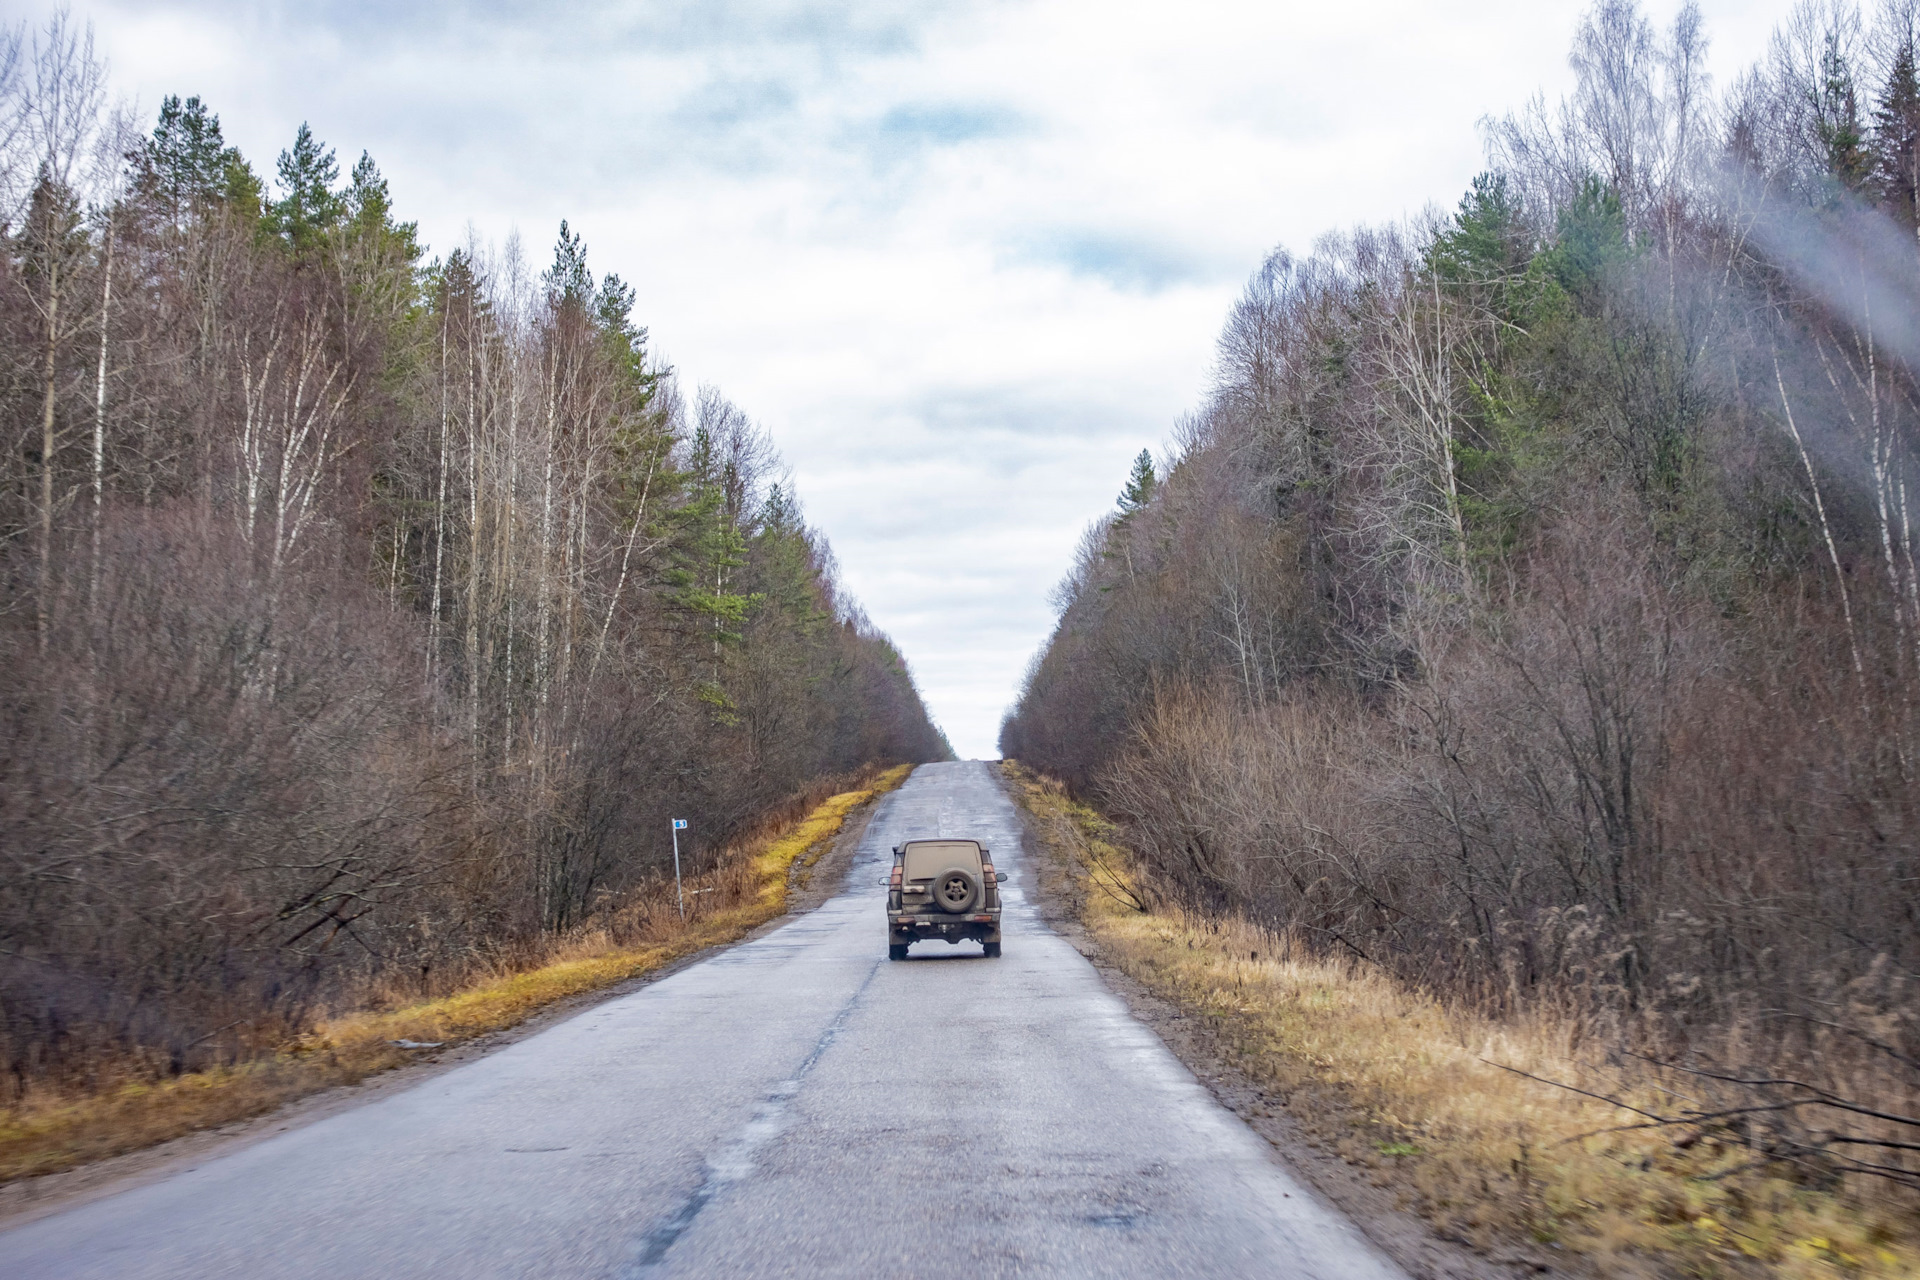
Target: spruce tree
[568,281]
[1836,119]
[626,342]
[1896,137]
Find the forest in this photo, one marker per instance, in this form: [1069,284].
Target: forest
[366,612]
[1530,607]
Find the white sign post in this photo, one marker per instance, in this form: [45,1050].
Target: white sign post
[679,825]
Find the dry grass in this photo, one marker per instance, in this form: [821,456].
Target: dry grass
[748,887]
[1408,1088]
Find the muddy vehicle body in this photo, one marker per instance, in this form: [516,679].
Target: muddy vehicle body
[943,889]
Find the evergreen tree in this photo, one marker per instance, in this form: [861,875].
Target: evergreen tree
[711,548]
[780,513]
[626,342]
[1487,237]
[368,206]
[184,164]
[379,258]
[781,575]
[568,281]
[309,207]
[242,188]
[1488,251]
[1896,137]
[1592,242]
[52,241]
[641,441]
[1836,118]
[185,167]
[1140,484]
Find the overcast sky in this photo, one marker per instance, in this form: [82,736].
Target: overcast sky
[964,260]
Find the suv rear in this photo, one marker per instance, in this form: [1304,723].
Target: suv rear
[943,889]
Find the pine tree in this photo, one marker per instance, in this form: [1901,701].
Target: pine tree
[184,164]
[368,206]
[309,209]
[378,257]
[387,250]
[242,189]
[185,168]
[1487,238]
[1141,482]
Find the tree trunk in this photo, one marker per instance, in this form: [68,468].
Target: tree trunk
[44,604]
[473,550]
[100,420]
[439,512]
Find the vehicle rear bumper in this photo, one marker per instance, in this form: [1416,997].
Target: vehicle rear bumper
[976,926]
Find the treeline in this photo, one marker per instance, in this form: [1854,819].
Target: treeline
[1531,607]
[366,615]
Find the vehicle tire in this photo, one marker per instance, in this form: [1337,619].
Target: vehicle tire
[896,951]
[956,890]
[992,949]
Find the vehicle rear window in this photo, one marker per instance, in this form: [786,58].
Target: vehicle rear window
[927,858]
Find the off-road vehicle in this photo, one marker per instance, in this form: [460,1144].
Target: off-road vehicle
[943,889]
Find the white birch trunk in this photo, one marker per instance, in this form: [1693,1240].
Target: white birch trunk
[100,421]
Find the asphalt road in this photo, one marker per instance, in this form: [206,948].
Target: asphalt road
[797,1105]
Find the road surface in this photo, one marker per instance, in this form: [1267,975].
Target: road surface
[794,1106]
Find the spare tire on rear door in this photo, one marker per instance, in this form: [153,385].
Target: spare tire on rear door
[956,889]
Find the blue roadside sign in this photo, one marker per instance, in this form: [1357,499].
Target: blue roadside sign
[679,824]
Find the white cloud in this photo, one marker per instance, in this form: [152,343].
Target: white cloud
[964,260]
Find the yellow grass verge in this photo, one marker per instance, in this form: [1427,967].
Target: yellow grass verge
[1406,1087]
[749,888]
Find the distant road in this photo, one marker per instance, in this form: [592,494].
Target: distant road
[795,1106]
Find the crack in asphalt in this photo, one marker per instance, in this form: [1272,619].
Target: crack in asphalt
[736,1161]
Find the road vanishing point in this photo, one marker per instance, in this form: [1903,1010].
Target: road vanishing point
[796,1105]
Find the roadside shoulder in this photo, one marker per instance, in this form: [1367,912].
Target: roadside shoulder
[814,876]
[1060,892]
